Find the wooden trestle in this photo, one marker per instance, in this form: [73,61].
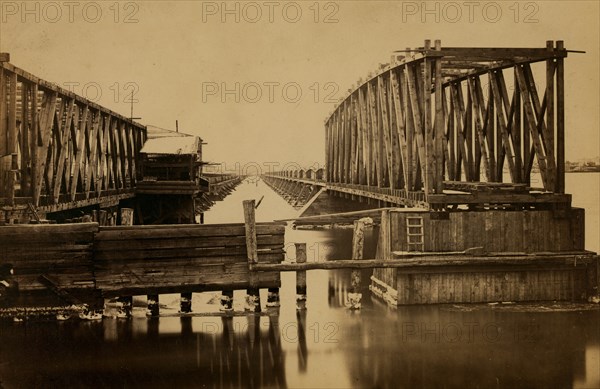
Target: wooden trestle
[446,126]
[60,151]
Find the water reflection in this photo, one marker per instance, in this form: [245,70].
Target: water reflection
[206,352]
[464,347]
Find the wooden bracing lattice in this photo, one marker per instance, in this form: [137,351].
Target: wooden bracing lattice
[439,118]
[59,150]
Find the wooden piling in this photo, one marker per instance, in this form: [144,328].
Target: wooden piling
[355,296]
[253,297]
[102,217]
[226,300]
[273,297]
[302,347]
[301,277]
[125,303]
[126,216]
[185,303]
[153,309]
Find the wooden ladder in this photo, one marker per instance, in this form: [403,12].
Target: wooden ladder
[414,233]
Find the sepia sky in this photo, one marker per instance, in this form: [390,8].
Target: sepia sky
[256,80]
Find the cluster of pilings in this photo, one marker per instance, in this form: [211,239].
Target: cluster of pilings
[220,186]
[296,193]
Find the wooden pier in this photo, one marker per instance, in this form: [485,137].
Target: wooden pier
[62,264]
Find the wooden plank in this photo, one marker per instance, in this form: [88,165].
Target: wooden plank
[47,114]
[192,252]
[415,112]
[535,123]
[386,129]
[560,122]
[462,147]
[12,115]
[3,119]
[438,131]
[64,129]
[504,116]
[481,120]
[185,242]
[24,141]
[79,151]
[427,124]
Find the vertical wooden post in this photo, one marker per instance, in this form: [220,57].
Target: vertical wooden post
[439,124]
[125,303]
[33,138]
[12,114]
[427,126]
[273,297]
[300,277]
[11,179]
[226,300]
[185,303]
[302,348]
[560,121]
[253,298]
[153,308]
[126,216]
[549,136]
[102,217]
[355,295]
[25,133]
[3,129]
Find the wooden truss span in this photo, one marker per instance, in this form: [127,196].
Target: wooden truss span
[59,150]
[438,115]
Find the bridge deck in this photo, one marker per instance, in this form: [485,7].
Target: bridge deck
[456,194]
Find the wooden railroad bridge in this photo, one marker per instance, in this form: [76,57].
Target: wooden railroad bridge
[63,155]
[467,147]
[442,127]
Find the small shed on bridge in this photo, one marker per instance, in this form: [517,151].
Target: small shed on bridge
[171,177]
[171,161]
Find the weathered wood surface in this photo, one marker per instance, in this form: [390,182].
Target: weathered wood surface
[182,258]
[63,252]
[129,260]
[485,285]
[440,263]
[496,230]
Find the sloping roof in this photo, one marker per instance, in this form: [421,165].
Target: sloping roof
[182,145]
[158,132]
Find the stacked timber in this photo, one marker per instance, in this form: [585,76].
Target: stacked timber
[182,258]
[52,259]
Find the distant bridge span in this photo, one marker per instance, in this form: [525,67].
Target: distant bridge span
[425,131]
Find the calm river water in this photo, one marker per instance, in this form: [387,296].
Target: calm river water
[446,346]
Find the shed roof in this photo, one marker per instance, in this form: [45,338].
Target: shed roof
[176,145]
